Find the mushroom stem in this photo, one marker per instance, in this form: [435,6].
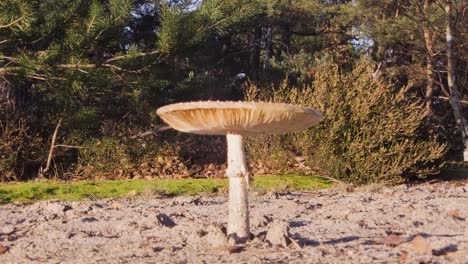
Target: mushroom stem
[238,223]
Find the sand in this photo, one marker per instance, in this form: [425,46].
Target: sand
[404,224]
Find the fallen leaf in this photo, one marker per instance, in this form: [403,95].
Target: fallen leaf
[392,240]
[260,251]
[456,214]
[403,256]
[421,245]
[116,205]
[3,249]
[227,249]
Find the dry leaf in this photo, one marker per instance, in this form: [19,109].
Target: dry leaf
[421,245]
[260,251]
[116,205]
[3,249]
[227,249]
[392,240]
[403,256]
[456,214]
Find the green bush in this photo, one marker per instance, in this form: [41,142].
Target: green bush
[371,131]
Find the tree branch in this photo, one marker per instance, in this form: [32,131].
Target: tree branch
[462,102]
[151,132]
[309,34]
[12,22]
[69,146]
[52,146]
[142,54]
[106,64]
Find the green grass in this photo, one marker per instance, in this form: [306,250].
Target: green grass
[290,182]
[76,191]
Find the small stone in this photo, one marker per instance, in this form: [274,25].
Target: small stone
[187,200]
[98,205]
[54,208]
[164,220]
[355,217]
[344,214]
[67,207]
[181,200]
[201,233]
[49,210]
[89,219]
[260,172]
[261,221]
[278,234]
[6,229]
[196,201]
[216,235]
[272,195]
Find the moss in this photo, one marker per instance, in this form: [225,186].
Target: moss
[290,182]
[76,191]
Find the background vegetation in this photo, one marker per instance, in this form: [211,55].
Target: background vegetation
[392,88]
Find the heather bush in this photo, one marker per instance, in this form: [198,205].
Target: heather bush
[20,148]
[371,132]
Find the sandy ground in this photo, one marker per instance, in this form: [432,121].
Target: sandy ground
[420,224]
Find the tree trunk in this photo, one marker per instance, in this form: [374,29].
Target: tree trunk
[255,53]
[452,85]
[237,171]
[286,39]
[268,39]
[429,43]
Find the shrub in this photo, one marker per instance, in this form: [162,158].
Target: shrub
[371,131]
[20,149]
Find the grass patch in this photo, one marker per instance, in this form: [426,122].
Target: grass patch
[289,182]
[76,191]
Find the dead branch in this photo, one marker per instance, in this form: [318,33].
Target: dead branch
[462,102]
[142,54]
[151,132]
[12,22]
[68,146]
[52,146]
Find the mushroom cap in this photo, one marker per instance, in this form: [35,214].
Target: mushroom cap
[243,118]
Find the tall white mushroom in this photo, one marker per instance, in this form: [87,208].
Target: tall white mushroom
[235,120]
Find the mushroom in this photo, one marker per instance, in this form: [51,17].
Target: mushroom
[235,120]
